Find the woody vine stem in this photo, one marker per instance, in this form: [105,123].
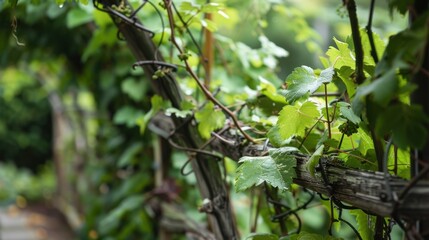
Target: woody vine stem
[206,92]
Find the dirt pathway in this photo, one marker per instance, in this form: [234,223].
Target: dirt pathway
[35,222]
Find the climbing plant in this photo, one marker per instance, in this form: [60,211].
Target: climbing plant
[243,127]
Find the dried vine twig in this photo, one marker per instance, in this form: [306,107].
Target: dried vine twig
[206,92]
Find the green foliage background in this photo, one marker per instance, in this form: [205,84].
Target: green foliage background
[73,50]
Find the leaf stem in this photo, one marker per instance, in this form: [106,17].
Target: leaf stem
[206,92]
[308,132]
[327,111]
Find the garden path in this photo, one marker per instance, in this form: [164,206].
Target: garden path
[35,222]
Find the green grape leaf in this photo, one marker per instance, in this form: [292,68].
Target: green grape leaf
[293,120]
[401,158]
[341,56]
[187,105]
[365,142]
[399,56]
[345,73]
[209,119]
[303,81]
[348,113]
[406,123]
[277,170]
[378,43]
[134,89]
[275,138]
[157,104]
[311,164]
[270,91]
[365,224]
[262,236]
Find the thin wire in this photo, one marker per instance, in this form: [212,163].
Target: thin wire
[304,206]
[349,224]
[138,9]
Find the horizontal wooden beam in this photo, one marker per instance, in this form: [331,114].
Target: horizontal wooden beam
[373,192]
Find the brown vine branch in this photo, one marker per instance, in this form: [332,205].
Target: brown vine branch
[195,77]
[354,24]
[370,34]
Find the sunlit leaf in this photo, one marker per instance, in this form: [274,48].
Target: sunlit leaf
[303,81]
[378,43]
[157,104]
[269,90]
[365,224]
[312,162]
[341,56]
[209,119]
[293,120]
[345,73]
[365,142]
